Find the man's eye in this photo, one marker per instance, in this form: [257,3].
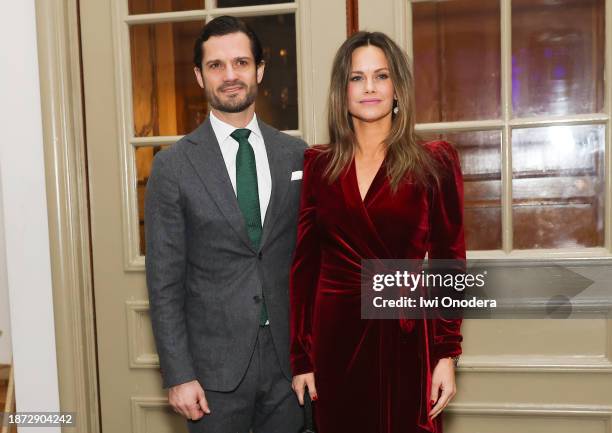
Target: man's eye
[213,66]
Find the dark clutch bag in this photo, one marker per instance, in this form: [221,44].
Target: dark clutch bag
[308,419]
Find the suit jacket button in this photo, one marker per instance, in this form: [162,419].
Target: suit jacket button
[257,298]
[259,256]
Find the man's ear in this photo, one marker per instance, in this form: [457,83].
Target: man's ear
[260,71]
[199,77]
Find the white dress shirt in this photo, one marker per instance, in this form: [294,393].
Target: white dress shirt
[229,149]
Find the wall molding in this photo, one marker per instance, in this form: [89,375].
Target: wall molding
[516,409]
[142,405]
[542,363]
[136,312]
[554,413]
[534,364]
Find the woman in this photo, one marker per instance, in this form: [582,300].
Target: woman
[374,192]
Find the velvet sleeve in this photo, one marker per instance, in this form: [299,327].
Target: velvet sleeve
[304,271]
[446,240]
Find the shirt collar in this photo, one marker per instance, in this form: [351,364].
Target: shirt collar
[223,130]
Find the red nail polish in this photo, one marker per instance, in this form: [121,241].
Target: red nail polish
[433,401]
[314,398]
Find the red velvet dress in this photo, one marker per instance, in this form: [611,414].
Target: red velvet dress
[372,376]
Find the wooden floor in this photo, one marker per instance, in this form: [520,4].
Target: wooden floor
[7,395]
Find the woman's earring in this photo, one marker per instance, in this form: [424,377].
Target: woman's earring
[395,109]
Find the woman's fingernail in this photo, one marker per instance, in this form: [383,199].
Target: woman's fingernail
[315,398]
[433,401]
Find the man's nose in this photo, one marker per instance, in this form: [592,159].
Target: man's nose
[230,74]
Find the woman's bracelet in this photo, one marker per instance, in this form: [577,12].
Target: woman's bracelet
[455,360]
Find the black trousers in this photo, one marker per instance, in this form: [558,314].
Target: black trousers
[263,402]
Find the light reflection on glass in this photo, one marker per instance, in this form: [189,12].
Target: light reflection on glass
[557,57]
[558,186]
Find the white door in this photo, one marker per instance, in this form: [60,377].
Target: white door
[140,95]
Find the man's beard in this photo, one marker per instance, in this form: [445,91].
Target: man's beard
[232,105]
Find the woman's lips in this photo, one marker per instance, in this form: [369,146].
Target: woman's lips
[370,101]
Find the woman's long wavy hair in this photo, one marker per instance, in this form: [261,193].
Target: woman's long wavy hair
[404,152]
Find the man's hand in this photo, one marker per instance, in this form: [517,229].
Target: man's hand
[298,384]
[442,379]
[188,399]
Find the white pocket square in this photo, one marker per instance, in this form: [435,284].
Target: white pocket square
[296,175]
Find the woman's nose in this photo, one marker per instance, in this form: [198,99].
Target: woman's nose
[370,85]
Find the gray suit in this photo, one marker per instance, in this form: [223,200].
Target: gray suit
[204,277]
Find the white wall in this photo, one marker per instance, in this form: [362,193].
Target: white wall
[25,214]
[5,329]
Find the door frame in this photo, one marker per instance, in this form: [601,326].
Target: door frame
[62,102]
[58,37]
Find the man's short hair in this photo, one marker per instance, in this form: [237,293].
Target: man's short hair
[225,25]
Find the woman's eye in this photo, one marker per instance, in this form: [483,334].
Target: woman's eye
[356,78]
[383,76]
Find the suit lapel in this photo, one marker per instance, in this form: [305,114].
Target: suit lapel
[207,160]
[280,172]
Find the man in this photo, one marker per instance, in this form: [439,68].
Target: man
[220,215]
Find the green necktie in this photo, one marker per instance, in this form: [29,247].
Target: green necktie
[248,194]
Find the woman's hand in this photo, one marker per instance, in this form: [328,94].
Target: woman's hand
[298,384]
[443,386]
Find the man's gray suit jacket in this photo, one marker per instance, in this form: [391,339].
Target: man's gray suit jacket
[205,279]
